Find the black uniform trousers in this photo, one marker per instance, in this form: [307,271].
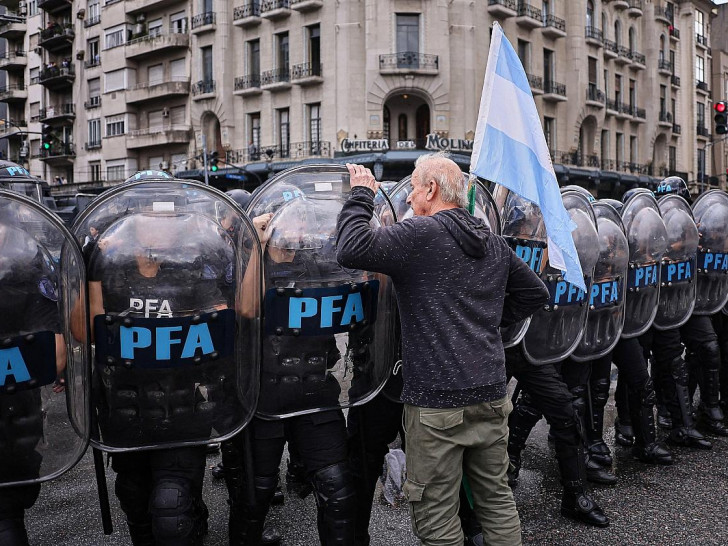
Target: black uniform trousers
[720,325]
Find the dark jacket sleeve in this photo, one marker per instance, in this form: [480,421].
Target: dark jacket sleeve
[525,292]
[359,246]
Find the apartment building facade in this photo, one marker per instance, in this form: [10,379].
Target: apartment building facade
[623,87]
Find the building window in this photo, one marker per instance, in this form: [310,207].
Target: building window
[618,88]
[94,168]
[661,52]
[632,39]
[282,52]
[402,127]
[115,171]
[700,68]
[254,136]
[605,149]
[546,8]
[94,92]
[632,93]
[604,24]
[206,57]
[699,23]
[115,37]
[178,22]
[408,32]
[549,131]
[314,49]
[385,124]
[618,32]
[93,11]
[114,80]
[524,53]
[284,132]
[94,133]
[155,27]
[206,6]
[663,99]
[178,161]
[253,48]
[590,22]
[592,72]
[94,56]
[673,109]
[32,8]
[672,159]
[620,149]
[115,125]
[548,67]
[633,152]
[314,128]
[701,114]
[701,164]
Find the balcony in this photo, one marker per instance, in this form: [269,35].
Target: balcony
[278,79]
[536,83]
[594,96]
[554,91]
[247,15]
[247,85]
[57,38]
[92,102]
[204,22]
[702,131]
[575,158]
[702,87]
[133,6]
[59,154]
[158,136]
[639,115]
[13,27]
[56,78]
[528,16]
[152,44]
[676,130]
[16,92]
[292,152]
[204,89]
[674,33]
[635,8]
[502,8]
[610,49]
[638,60]
[409,62]
[57,114]
[675,80]
[593,36]
[618,109]
[92,62]
[10,128]
[13,60]
[306,5]
[142,92]
[91,21]
[664,119]
[663,14]
[274,10]
[664,67]
[701,41]
[620,4]
[623,55]
[553,27]
[54,6]
[307,74]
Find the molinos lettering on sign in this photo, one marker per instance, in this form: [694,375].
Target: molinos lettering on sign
[641,276]
[605,293]
[436,142]
[373,145]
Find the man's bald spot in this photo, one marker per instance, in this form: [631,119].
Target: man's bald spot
[437,167]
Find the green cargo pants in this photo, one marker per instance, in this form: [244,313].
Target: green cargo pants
[441,445]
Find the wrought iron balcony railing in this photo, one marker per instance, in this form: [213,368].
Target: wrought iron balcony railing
[249,9]
[555,22]
[306,70]
[409,60]
[203,19]
[593,33]
[594,94]
[203,87]
[251,81]
[277,75]
[554,88]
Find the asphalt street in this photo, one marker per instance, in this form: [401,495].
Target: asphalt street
[685,504]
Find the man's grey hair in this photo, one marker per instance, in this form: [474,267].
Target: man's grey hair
[453,185]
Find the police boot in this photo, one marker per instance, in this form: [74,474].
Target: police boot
[336,502]
[709,368]
[598,450]
[133,494]
[246,525]
[179,517]
[684,432]
[520,424]
[576,504]
[594,471]
[218,471]
[664,420]
[12,532]
[646,448]
[296,479]
[623,433]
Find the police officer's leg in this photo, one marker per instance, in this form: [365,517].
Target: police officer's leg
[702,342]
[623,432]
[133,488]
[671,371]
[628,357]
[179,516]
[520,424]
[371,427]
[321,441]
[720,325]
[14,501]
[599,381]
[551,397]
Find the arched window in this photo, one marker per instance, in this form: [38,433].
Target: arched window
[385,125]
[590,14]
[604,24]
[402,123]
[632,39]
[618,32]
[661,53]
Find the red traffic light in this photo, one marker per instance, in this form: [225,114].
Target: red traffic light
[720,107]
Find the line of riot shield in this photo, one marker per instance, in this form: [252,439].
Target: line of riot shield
[175,302]
[328,339]
[605,318]
[525,233]
[647,238]
[555,331]
[485,209]
[711,217]
[44,376]
[679,264]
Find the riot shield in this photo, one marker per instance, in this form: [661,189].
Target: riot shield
[605,317]
[328,339]
[647,238]
[678,267]
[555,330]
[711,217]
[44,377]
[525,233]
[175,304]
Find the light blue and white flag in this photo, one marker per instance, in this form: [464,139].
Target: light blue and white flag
[510,149]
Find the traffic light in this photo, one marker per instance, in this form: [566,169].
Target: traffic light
[214,157]
[721,117]
[47,136]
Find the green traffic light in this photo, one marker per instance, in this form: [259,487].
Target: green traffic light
[46,146]
[213,168]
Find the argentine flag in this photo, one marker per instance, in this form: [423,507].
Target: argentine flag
[510,149]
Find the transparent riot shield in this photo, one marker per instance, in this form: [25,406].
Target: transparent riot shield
[679,264]
[711,217]
[525,233]
[44,377]
[328,339]
[555,330]
[605,318]
[174,274]
[647,238]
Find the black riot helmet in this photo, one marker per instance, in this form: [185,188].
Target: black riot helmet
[614,203]
[580,189]
[149,175]
[241,197]
[673,185]
[629,194]
[12,172]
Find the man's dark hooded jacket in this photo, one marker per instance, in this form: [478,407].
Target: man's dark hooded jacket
[456,283]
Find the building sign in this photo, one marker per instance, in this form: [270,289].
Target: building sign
[438,143]
[369,145]
[406,145]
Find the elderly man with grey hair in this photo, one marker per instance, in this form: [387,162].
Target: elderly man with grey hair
[456,283]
